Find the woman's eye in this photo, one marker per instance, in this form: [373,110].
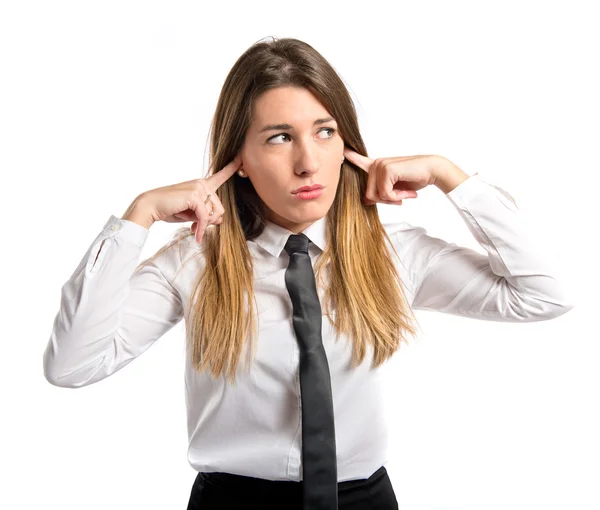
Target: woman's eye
[332,130]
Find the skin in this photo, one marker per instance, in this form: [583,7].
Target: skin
[282,160]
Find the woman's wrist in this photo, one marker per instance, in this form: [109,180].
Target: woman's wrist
[139,213]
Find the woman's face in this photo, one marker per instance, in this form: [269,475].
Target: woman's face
[280,159]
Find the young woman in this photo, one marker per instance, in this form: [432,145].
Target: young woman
[293,424]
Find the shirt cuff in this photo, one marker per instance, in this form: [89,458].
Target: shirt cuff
[127,230]
[476,185]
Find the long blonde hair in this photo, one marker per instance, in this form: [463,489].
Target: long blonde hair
[365,289]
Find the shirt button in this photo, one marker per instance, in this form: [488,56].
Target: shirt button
[116,227]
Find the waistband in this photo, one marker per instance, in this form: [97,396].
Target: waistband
[240,482]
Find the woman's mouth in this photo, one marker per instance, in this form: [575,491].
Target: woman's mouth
[308,195]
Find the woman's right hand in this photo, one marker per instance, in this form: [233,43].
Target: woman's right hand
[185,201]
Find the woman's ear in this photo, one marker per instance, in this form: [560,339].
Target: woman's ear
[240,171]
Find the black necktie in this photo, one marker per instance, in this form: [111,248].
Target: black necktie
[319,462]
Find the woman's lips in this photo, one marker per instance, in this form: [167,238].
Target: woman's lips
[309,188]
[309,195]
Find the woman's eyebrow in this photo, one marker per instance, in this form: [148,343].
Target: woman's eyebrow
[270,127]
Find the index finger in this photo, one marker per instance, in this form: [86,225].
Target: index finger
[217,179]
[359,160]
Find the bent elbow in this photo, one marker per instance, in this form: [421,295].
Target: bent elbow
[547,309]
[561,309]
[60,376]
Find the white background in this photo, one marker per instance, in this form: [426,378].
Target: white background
[100,101]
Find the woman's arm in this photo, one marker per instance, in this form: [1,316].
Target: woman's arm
[516,281]
[109,316]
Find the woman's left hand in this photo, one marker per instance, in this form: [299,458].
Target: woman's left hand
[393,179]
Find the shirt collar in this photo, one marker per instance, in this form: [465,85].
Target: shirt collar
[274,237]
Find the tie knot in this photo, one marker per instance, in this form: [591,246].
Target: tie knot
[296,242]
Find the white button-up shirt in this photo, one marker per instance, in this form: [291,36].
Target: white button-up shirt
[108,317]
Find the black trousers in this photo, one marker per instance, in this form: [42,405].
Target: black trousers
[225,491]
